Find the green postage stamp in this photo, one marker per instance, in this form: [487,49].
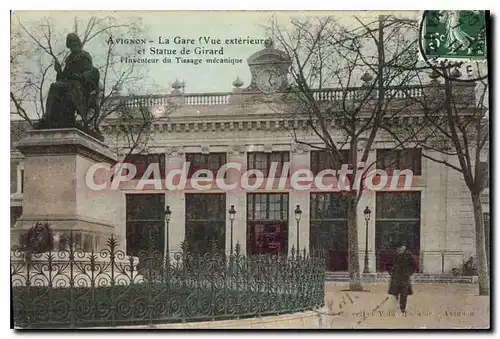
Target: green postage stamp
[454,35]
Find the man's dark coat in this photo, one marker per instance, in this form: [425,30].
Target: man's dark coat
[402,268]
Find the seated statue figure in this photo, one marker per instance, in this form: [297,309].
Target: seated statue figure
[75,91]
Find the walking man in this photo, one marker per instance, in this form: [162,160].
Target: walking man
[402,268]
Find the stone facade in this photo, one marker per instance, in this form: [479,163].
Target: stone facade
[244,121]
[446,212]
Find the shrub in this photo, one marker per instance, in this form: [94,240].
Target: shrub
[38,239]
[468,268]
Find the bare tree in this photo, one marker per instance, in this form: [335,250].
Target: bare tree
[457,128]
[38,45]
[325,55]
[130,131]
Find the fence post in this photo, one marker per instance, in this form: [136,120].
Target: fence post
[49,283]
[235,278]
[112,244]
[27,298]
[93,258]
[71,280]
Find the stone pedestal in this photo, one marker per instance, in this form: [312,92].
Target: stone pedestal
[56,190]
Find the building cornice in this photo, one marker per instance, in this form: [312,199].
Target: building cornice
[241,123]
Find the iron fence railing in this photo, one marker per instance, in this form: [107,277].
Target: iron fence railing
[72,288]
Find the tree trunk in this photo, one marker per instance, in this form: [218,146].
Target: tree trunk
[482,263]
[352,238]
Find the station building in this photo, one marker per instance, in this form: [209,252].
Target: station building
[433,217]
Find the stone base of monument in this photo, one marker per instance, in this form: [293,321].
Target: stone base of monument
[62,272]
[57,190]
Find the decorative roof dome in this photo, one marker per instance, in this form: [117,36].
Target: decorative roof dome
[237,83]
[177,84]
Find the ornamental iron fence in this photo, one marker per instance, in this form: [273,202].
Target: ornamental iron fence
[72,288]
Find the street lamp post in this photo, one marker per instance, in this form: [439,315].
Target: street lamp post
[298,214]
[367,212]
[168,214]
[232,214]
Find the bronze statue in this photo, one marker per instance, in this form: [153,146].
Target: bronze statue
[76,90]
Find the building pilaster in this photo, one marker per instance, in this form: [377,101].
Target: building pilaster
[367,200]
[236,197]
[174,158]
[299,159]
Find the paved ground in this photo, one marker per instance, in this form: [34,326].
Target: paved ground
[432,306]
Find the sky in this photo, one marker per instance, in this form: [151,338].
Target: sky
[190,25]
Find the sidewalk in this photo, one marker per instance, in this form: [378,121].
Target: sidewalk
[443,306]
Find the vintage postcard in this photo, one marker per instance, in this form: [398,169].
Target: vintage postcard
[251,170]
